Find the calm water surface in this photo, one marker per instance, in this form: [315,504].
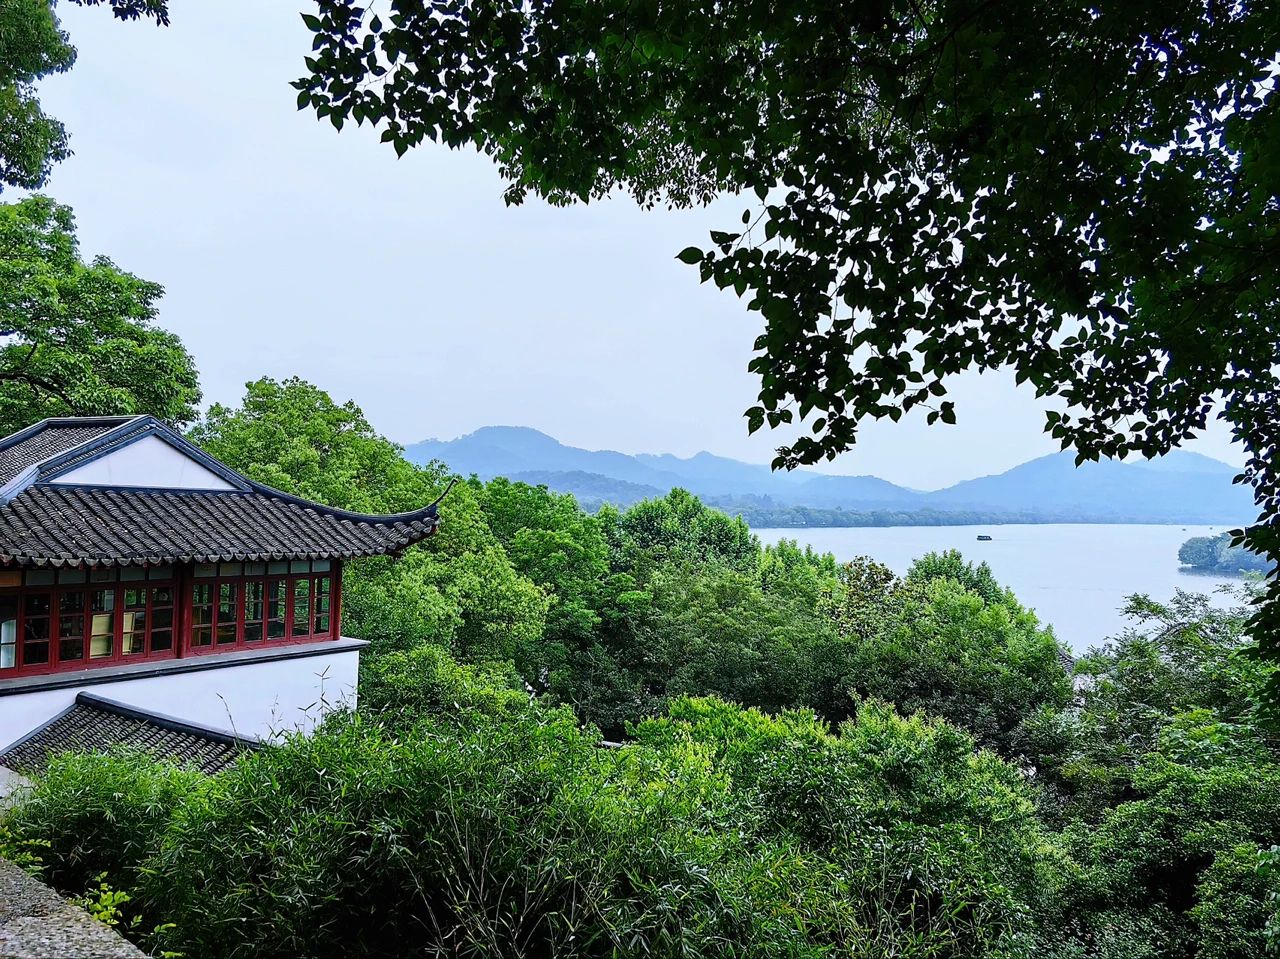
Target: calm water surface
[1074,577]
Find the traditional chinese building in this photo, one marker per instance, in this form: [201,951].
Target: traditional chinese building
[142,579]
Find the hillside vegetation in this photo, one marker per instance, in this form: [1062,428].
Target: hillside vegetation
[817,760]
[1216,554]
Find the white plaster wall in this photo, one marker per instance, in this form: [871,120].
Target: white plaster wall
[149,461]
[255,699]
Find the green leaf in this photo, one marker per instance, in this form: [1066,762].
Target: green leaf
[690,255]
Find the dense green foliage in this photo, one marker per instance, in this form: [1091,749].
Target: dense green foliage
[1219,555]
[1169,787]
[1087,194]
[917,778]
[78,337]
[479,823]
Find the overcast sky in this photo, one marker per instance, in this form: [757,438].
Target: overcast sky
[288,248]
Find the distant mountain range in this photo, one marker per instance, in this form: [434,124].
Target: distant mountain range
[1182,487]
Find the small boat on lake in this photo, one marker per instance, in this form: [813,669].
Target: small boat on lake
[984,538]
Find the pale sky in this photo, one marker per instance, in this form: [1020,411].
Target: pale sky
[286,247]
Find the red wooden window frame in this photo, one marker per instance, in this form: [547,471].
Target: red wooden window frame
[51,616]
[166,611]
[220,600]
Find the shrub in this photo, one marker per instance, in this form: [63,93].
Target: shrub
[497,838]
[937,845]
[502,829]
[100,813]
[986,666]
[427,681]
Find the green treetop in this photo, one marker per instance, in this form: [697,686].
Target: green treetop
[78,337]
[32,46]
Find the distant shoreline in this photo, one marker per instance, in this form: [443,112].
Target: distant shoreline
[823,519]
[1002,522]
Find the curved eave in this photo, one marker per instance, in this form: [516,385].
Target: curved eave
[428,512]
[96,526]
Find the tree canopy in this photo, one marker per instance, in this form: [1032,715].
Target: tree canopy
[32,46]
[78,337]
[1087,194]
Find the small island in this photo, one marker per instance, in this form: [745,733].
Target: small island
[1215,554]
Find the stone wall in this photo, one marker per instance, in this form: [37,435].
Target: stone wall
[37,923]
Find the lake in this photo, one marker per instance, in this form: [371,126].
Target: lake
[1075,577]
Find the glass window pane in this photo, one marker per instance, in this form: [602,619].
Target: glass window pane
[161,640]
[322,624]
[202,615]
[255,569]
[300,566]
[102,604]
[71,601]
[227,595]
[71,650]
[202,636]
[202,593]
[320,566]
[135,643]
[162,618]
[135,599]
[276,592]
[36,629]
[37,604]
[160,572]
[8,631]
[206,569]
[35,654]
[226,633]
[323,585]
[102,574]
[301,607]
[277,567]
[135,620]
[39,577]
[162,596]
[69,626]
[131,573]
[71,575]
[230,569]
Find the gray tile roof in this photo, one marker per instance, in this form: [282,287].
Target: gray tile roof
[94,724]
[45,522]
[61,525]
[47,439]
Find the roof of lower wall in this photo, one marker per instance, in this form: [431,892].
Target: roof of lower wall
[45,522]
[94,724]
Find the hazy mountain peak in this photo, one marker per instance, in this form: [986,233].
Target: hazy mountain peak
[1181,487]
